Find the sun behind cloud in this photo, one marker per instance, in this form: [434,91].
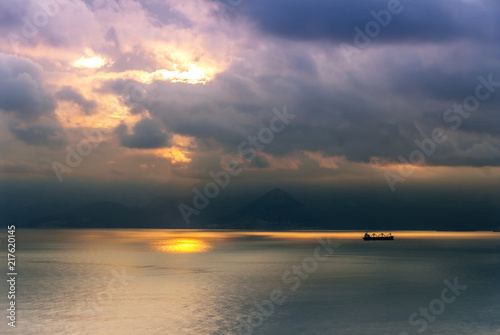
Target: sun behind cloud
[90,62]
[193,75]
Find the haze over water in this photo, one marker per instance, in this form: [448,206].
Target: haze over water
[203,282]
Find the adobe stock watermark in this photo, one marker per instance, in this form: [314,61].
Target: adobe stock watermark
[248,150]
[296,276]
[362,39]
[454,115]
[436,307]
[32,24]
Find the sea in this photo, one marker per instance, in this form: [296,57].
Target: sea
[213,282]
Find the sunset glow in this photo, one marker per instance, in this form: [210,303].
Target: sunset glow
[91,62]
[193,75]
[250,167]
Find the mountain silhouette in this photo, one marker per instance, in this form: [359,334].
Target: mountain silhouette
[161,212]
[274,210]
[103,214]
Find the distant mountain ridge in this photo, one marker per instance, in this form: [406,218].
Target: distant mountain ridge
[96,215]
[161,212]
[274,210]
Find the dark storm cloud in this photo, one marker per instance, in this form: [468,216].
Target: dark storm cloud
[260,162]
[194,110]
[483,122]
[67,93]
[41,134]
[132,93]
[21,89]
[376,108]
[436,81]
[146,134]
[330,120]
[419,21]
[449,83]
[30,108]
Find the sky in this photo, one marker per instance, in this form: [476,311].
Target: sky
[395,94]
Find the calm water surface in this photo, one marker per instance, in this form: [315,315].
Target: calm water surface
[211,282]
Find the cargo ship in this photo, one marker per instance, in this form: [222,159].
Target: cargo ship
[378,237]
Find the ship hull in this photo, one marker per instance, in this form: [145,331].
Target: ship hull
[383,238]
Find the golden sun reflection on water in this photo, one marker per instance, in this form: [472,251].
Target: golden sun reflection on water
[182,245]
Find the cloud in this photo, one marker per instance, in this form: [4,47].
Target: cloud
[40,134]
[261,56]
[371,113]
[260,162]
[25,102]
[330,120]
[146,134]
[21,89]
[164,14]
[418,22]
[67,93]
